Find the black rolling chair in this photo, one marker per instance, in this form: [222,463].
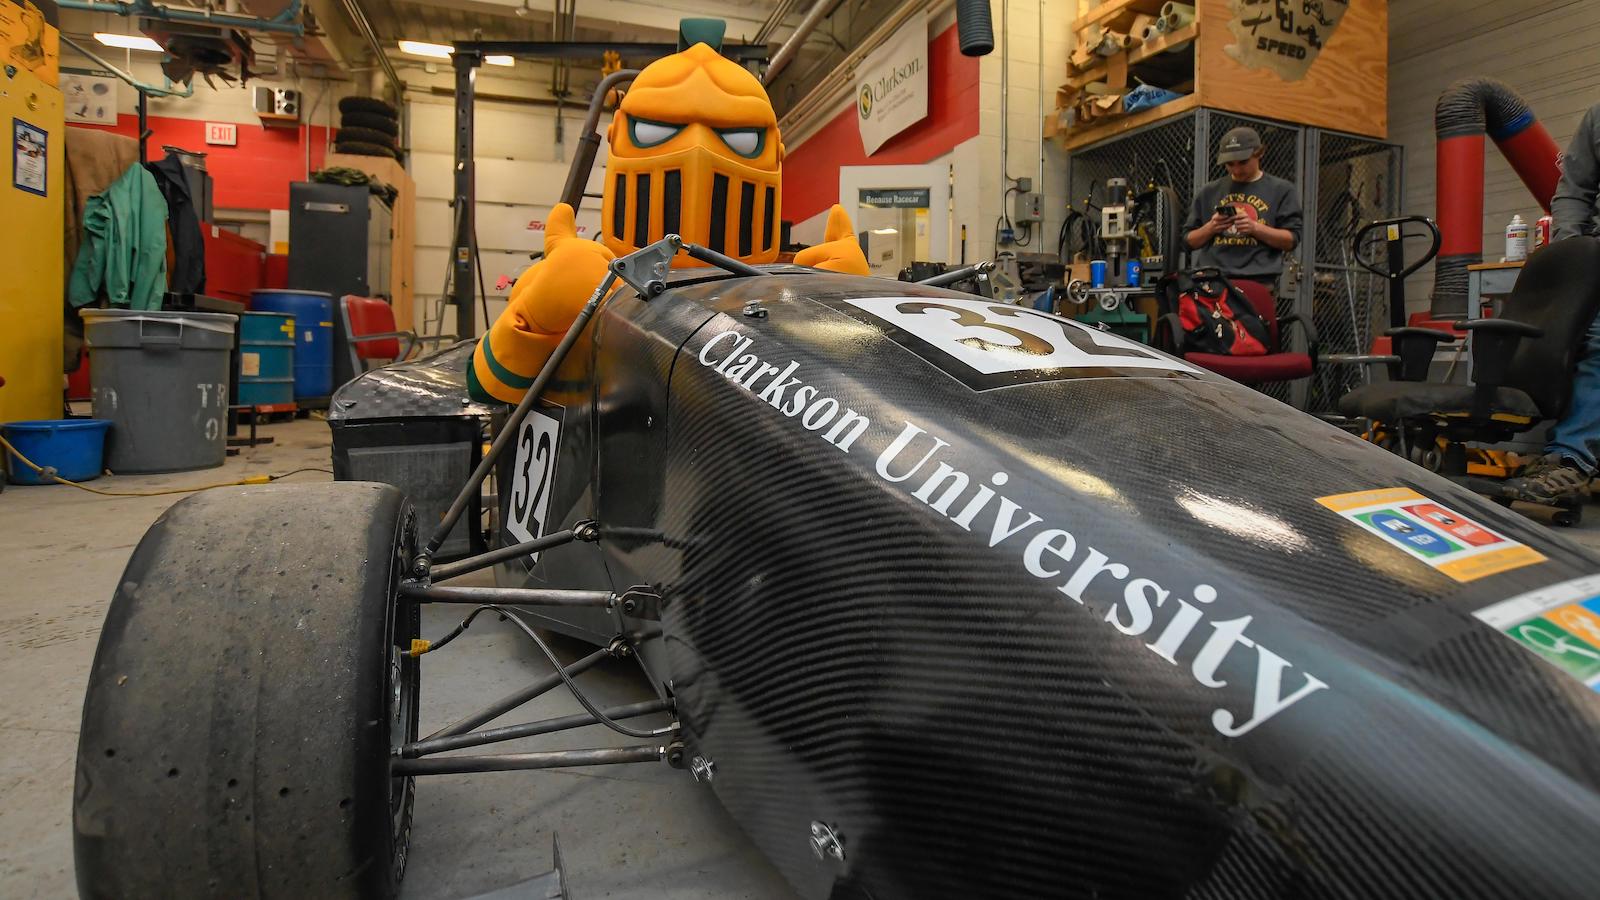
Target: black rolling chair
[1522,363]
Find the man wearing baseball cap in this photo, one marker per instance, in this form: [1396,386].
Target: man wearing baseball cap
[1244,222]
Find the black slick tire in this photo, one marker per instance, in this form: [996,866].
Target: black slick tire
[350,134]
[372,122]
[242,703]
[358,148]
[368,105]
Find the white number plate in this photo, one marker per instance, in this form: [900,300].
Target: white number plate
[994,338]
[532,477]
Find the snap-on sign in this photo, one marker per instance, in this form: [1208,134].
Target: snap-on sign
[538,225]
[1456,545]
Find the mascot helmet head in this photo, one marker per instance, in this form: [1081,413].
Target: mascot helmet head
[694,151]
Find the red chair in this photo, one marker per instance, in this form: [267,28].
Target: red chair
[370,333]
[1276,365]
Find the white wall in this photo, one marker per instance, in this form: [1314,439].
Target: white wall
[1545,49]
[520,173]
[978,190]
[1029,95]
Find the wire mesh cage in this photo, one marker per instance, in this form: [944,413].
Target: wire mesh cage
[1281,145]
[1345,182]
[1355,182]
[1160,154]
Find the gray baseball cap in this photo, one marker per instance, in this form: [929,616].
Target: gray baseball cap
[1238,144]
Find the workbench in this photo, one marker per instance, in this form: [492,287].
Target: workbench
[1489,280]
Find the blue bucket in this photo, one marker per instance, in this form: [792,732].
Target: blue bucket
[75,448]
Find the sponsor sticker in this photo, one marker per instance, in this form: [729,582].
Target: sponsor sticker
[1560,623]
[1449,541]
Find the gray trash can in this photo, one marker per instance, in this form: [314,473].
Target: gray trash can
[162,380]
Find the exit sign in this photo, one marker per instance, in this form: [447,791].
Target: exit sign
[224,133]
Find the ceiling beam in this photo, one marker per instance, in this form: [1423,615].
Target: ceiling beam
[616,15]
[594,49]
[337,34]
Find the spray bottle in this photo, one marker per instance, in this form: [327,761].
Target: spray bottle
[1516,240]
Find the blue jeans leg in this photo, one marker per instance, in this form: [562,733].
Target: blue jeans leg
[1577,435]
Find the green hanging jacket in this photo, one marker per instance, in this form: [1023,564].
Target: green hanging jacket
[124,247]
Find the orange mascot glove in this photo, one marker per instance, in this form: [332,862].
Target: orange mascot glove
[544,303]
[840,251]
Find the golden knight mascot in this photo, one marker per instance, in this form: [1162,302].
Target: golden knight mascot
[694,151]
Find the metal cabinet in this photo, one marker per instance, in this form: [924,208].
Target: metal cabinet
[339,240]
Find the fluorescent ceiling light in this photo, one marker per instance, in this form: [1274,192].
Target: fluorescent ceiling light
[443,51]
[423,48]
[885,231]
[128,41]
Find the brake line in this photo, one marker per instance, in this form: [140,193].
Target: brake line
[420,647]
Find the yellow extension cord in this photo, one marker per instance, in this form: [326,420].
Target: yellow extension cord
[253,479]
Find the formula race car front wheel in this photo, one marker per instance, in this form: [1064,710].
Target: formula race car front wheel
[251,680]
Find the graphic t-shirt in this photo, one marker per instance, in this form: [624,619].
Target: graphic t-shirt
[1269,200]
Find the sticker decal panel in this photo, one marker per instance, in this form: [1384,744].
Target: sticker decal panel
[1559,623]
[1449,541]
[986,344]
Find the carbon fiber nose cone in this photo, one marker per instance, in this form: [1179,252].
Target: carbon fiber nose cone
[1091,630]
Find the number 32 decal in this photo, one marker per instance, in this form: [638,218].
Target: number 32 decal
[531,476]
[998,339]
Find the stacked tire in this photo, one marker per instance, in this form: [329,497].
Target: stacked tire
[368,126]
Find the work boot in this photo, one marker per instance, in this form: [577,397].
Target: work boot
[1549,479]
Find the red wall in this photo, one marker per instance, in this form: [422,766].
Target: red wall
[253,175]
[811,171]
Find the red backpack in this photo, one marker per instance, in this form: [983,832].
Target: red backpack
[1217,317]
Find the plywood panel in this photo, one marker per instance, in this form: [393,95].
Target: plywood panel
[1346,87]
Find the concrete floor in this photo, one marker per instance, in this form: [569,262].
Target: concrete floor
[642,831]
[626,831]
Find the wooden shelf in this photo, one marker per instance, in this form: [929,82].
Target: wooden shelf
[1107,12]
[1169,41]
[1109,127]
[1137,55]
[1339,84]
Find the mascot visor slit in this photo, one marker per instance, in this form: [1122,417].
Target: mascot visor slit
[1181,637]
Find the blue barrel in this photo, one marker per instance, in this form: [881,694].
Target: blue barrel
[266,358]
[313,336]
